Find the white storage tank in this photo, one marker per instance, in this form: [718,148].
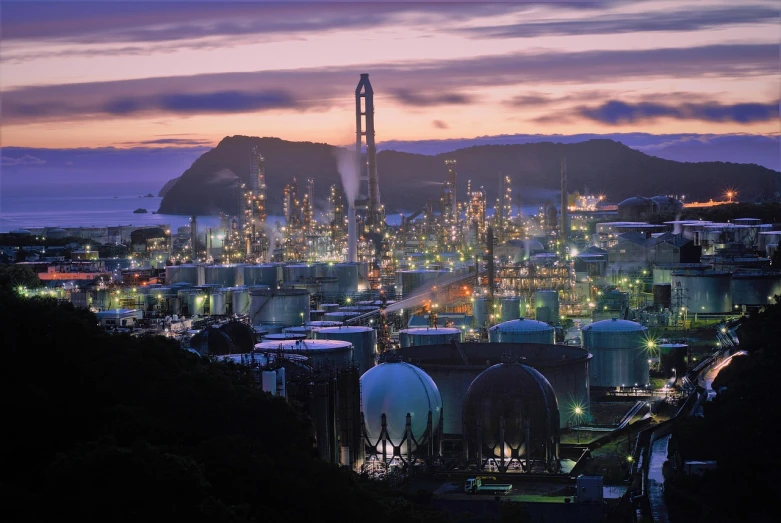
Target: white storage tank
[329,307]
[410,281]
[192,274]
[224,275]
[324,323]
[265,274]
[480,310]
[218,305]
[511,308]
[195,302]
[546,306]
[704,292]
[522,330]
[285,335]
[321,353]
[346,275]
[239,299]
[302,331]
[755,288]
[429,336]
[341,316]
[620,353]
[285,307]
[395,390]
[363,340]
[299,272]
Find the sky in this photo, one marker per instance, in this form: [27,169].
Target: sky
[186,74]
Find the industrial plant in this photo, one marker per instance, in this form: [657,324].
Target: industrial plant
[462,340]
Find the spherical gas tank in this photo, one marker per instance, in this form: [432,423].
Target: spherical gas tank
[396,389]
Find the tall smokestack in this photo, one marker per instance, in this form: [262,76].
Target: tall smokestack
[364,126]
[194,237]
[490,256]
[352,240]
[564,226]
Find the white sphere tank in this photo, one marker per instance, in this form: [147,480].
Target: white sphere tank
[429,336]
[396,389]
[620,353]
[522,331]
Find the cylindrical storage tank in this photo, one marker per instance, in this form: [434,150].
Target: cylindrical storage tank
[363,340]
[218,305]
[672,359]
[224,275]
[192,274]
[304,331]
[285,307]
[195,303]
[512,308]
[329,307]
[266,274]
[429,336]
[324,323]
[346,275]
[480,311]
[321,353]
[755,289]
[620,353]
[704,292]
[239,298]
[395,390]
[269,382]
[340,316]
[410,281]
[285,335]
[662,294]
[522,331]
[511,411]
[546,306]
[299,272]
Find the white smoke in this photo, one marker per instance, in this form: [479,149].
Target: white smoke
[677,226]
[347,164]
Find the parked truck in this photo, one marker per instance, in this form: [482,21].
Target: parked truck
[476,486]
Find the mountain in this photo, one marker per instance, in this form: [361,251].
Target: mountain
[407,180]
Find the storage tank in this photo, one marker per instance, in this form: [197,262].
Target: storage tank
[299,272]
[192,274]
[241,334]
[346,275]
[212,341]
[522,331]
[195,303]
[511,412]
[511,308]
[316,314]
[284,307]
[755,288]
[302,331]
[395,390]
[321,353]
[620,350]
[546,306]
[429,336]
[264,274]
[218,305]
[239,299]
[410,281]
[329,307]
[480,311]
[285,335]
[324,323]
[341,316]
[363,340]
[662,294]
[224,275]
[704,292]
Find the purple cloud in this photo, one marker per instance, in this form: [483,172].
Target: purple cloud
[439,124]
[421,99]
[27,159]
[615,112]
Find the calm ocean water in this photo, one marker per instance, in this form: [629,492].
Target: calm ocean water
[103,211]
[87,211]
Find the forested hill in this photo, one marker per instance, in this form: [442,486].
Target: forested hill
[408,180]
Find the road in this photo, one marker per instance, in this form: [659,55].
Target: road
[656,480]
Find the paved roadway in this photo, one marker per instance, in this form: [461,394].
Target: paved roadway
[656,480]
